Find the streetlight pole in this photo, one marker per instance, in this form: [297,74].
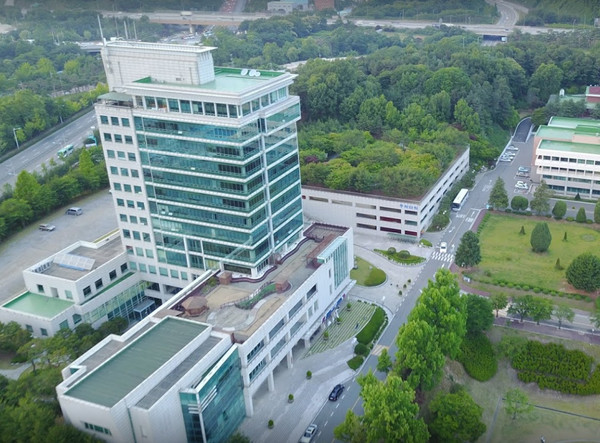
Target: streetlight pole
[16,138]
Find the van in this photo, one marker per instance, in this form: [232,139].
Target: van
[74,211]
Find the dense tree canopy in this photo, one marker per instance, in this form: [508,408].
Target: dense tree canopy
[468,253]
[456,418]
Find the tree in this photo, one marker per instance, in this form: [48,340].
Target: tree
[499,301]
[517,403]
[540,237]
[480,315]
[559,210]
[540,203]
[519,203]
[521,306]
[468,253]
[13,336]
[456,418]
[581,217]
[540,309]
[467,117]
[498,196]
[419,359]
[384,362]
[441,306]
[546,80]
[595,319]
[597,212]
[584,272]
[390,414]
[563,312]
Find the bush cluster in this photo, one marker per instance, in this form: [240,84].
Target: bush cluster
[361,349]
[369,332]
[403,256]
[355,362]
[552,366]
[484,220]
[477,357]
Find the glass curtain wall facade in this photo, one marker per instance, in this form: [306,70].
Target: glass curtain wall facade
[215,409]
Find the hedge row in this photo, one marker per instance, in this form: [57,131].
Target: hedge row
[591,387]
[553,359]
[552,366]
[369,332]
[536,289]
[477,357]
[361,349]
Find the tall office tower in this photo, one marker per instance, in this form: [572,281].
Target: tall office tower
[202,160]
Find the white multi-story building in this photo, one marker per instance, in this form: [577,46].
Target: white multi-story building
[202,162]
[86,282]
[566,154]
[190,370]
[376,214]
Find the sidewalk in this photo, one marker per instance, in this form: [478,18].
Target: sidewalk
[327,360]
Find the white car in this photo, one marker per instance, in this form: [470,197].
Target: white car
[443,247]
[521,185]
[512,148]
[309,434]
[524,169]
[505,158]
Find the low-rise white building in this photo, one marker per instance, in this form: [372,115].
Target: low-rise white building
[566,154]
[376,214]
[86,282]
[153,384]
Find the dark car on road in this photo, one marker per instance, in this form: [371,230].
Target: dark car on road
[336,392]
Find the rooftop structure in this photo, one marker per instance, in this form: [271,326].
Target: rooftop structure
[86,282]
[567,156]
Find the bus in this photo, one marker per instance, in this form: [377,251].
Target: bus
[460,199]
[66,151]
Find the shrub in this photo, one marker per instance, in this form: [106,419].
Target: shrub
[375,278]
[519,203]
[581,217]
[584,272]
[355,362]
[392,250]
[540,237]
[361,349]
[368,333]
[552,366]
[270,424]
[559,210]
[404,254]
[477,357]
[569,218]
[308,375]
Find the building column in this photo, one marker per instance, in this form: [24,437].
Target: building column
[271,382]
[248,402]
[192,29]
[306,343]
[290,359]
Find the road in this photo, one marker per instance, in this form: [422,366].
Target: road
[31,158]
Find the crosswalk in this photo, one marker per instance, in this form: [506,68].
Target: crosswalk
[442,256]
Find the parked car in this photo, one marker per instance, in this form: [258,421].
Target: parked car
[521,185]
[443,247]
[336,392]
[505,158]
[74,211]
[523,174]
[309,434]
[524,169]
[512,148]
[46,227]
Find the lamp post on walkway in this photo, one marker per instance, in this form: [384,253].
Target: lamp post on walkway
[16,138]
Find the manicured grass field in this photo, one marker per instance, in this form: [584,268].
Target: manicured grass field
[507,255]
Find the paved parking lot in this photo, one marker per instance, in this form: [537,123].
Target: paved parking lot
[31,245]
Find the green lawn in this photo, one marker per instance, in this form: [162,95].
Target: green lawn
[366,274]
[555,426]
[507,255]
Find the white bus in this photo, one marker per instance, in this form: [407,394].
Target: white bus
[66,151]
[460,199]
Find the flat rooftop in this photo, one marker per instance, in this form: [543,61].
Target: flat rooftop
[295,269]
[101,255]
[124,371]
[37,304]
[581,148]
[569,122]
[234,80]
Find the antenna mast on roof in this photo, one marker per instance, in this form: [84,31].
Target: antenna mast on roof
[100,26]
